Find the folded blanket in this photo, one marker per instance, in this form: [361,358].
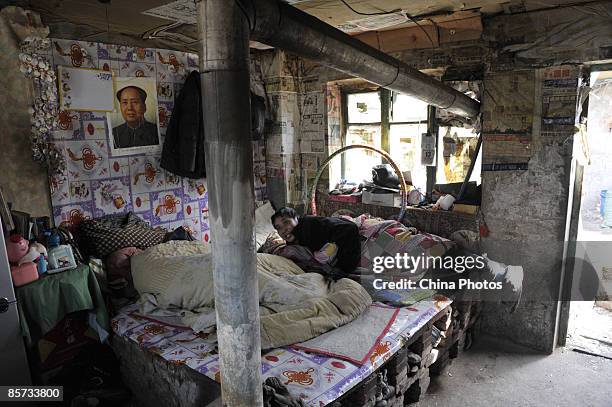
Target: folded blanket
[101,237]
[387,238]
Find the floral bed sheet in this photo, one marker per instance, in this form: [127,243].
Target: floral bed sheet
[317,380]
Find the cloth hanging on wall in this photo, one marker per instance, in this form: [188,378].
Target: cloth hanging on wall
[183,150]
[45,302]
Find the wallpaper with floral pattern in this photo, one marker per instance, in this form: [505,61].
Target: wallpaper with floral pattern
[95,183]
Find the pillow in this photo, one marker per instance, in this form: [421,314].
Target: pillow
[178,273]
[263,226]
[467,240]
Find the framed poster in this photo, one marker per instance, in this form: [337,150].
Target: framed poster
[85,89]
[134,121]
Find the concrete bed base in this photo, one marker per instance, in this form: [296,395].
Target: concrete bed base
[155,382]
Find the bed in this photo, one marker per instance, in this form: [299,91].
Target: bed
[163,360]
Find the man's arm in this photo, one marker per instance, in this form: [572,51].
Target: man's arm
[345,234]
[327,254]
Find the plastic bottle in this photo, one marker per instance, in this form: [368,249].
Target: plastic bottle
[53,240]
[42,265]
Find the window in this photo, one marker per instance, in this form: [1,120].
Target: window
[396,123]
[408,123]
[364,126]
[388,121]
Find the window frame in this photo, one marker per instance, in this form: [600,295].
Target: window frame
[386,110]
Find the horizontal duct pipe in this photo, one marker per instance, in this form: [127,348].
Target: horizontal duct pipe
[280,25]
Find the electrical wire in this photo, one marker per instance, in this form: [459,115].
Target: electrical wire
[382,13]
[162,32]
[107,24]
[396,11]
[409,17]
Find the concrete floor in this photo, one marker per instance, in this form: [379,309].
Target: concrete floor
[485,377]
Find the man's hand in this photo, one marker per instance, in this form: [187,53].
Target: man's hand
[327,254]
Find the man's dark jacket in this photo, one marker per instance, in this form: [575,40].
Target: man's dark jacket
[315,231]
[183,151]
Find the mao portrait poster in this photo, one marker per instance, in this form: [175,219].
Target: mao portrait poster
[133,124]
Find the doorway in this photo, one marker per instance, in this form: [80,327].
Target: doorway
[590,315]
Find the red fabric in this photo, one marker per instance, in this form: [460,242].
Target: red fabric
[65,340]
[345,198]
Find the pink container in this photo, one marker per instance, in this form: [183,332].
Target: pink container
[16,248]
[24,274]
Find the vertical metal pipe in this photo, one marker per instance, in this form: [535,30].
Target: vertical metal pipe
[224,67]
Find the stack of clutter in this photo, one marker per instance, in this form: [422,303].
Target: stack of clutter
[384,391]
[31,259]
[384,189]
[346,191]
[27,260]
[34,248]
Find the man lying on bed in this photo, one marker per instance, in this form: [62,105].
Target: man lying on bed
[334,242]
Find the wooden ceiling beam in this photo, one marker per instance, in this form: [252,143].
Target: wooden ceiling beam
[427,35]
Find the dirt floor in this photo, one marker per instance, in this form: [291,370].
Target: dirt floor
[483,376]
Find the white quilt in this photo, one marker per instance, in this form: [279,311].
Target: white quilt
[175,278]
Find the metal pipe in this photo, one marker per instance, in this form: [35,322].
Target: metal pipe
[224,68]
[278,24]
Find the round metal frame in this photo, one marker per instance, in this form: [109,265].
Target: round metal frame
[404,194]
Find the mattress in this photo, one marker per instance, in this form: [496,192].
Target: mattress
[316,379]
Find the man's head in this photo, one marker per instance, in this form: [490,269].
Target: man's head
[132,103]
[284,220]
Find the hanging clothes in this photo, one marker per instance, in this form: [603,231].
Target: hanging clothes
[183,150]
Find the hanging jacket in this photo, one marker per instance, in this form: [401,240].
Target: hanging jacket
[183,150]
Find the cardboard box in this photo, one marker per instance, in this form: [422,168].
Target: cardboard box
[390,199]
[463,208]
